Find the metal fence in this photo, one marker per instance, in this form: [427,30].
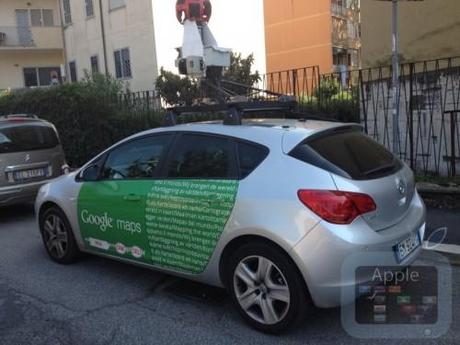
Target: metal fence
[429,106]
[428,101]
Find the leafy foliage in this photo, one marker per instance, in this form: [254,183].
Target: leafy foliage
[175,89]
[240,71]
[90,115]
[180,90]
[331,100]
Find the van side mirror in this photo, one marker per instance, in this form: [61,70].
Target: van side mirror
[90,174]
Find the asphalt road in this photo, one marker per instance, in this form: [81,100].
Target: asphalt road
[98,301]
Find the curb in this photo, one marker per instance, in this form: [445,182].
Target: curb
[452,252]
[432,188]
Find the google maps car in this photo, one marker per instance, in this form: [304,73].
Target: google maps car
[269,209]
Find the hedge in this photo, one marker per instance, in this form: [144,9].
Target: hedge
[95,113]
[88,115]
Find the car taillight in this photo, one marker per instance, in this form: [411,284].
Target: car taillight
[335,206]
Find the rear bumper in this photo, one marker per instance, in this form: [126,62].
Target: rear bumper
[321,254]
[20,193]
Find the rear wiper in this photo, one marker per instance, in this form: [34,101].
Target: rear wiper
[381,169]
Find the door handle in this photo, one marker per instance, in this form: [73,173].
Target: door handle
[132,197]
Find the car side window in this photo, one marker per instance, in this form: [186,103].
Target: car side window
[201,156]
[250,156]
[136,159]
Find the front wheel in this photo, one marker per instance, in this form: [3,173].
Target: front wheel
[267,288]
[58,237]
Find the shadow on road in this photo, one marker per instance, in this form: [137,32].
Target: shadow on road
[12,214]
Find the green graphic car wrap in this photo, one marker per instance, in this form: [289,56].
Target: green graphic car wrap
[169,223]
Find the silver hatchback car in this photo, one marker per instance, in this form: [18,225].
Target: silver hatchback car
[269,209]
[30,155]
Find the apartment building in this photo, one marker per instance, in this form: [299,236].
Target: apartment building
[301,33]
[31,43]
[114,37]
[428,30]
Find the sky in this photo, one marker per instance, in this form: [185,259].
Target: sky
[243,31]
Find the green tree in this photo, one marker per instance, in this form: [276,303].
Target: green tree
[175,89]
[179,90]
[240,71]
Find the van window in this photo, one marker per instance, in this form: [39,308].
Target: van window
[27,138]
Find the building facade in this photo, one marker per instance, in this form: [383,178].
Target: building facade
[45,42]
[31,43]
[114,37]
[324,33]
[428,29]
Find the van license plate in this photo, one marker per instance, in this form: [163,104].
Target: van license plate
[29,174]
[404,248]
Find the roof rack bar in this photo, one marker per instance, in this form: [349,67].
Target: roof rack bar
[20,115]
[234,112]
[245,107]
[268,92]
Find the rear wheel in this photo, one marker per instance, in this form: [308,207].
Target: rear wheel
[58,237]
[267,288]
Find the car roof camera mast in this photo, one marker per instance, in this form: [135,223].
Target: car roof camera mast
[201,57]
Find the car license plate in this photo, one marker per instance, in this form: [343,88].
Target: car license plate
[29,174]
[404,248]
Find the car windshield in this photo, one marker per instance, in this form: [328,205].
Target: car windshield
[27,138]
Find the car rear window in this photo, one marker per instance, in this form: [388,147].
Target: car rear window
[27,138]
[348,153]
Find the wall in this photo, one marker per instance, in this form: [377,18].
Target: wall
[8,7]
[12,64]
[48,40]
[130,27]
[298,34]
[428,30]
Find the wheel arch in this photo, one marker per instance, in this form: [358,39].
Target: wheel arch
[245,239]
[46,206]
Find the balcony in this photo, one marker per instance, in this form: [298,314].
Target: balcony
[346,42]
[351,14]
[31,38]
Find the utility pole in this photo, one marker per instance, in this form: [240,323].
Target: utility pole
[104,43]
[395,78]
[396,88]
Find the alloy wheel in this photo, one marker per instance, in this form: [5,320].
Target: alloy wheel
[55,236]
[261,290]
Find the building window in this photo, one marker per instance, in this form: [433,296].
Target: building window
[94,64]
[67,12]
[41,76]
[89,8]
[122,64]
[40,17]
[73,71]
[116,4]
[47,18]
[36,17]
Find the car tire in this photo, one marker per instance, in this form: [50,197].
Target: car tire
[58,236]
[271,300]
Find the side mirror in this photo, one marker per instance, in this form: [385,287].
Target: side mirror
[90,174]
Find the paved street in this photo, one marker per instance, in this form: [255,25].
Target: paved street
[98,301]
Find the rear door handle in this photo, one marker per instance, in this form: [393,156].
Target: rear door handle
[132,197]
